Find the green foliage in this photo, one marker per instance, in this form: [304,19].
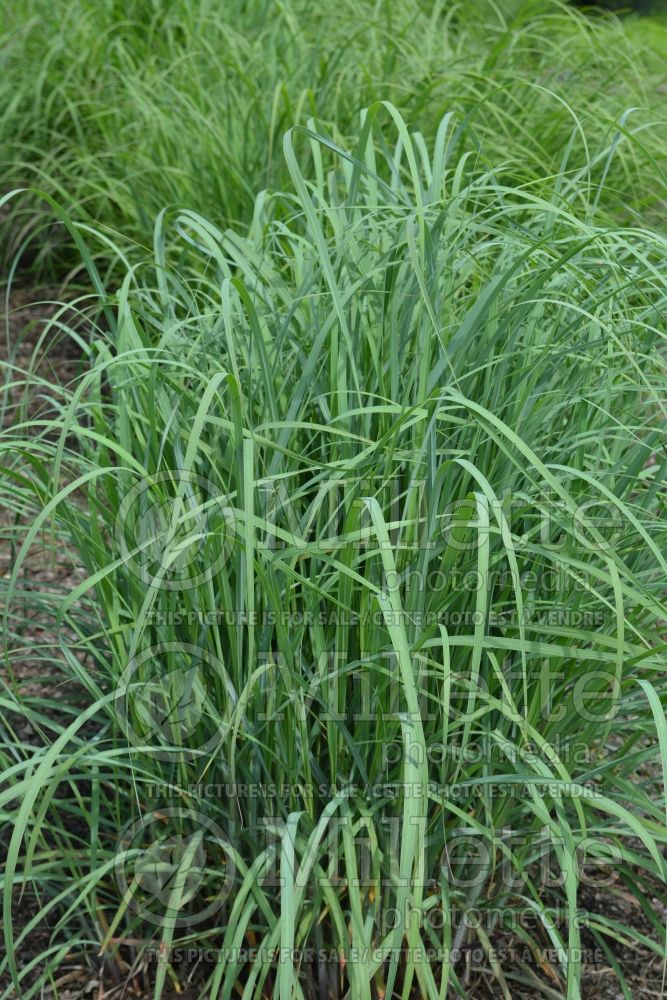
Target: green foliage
[119,110]
[366,505]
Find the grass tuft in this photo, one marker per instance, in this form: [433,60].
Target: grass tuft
[366,647]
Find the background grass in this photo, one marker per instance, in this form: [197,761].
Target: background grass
[119,111]
[362,488]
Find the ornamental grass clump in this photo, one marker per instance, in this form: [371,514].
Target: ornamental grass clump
[365,651]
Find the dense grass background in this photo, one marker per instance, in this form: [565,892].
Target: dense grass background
[362,488]
[119,110]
